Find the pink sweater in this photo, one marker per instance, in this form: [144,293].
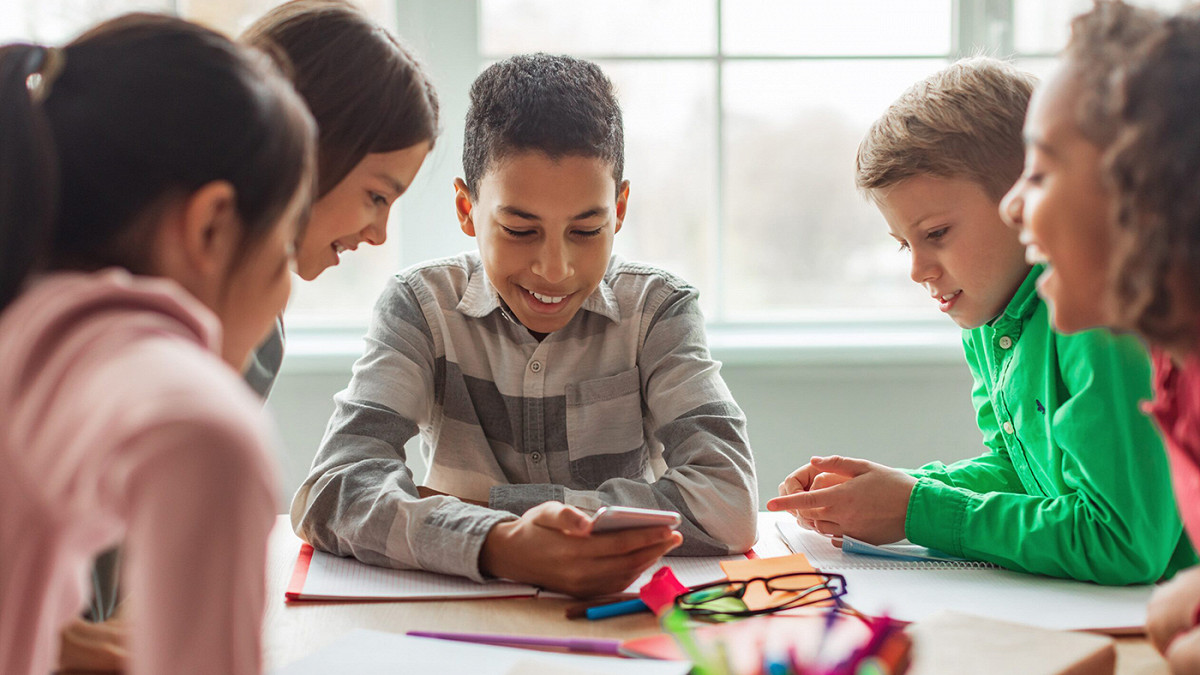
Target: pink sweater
[119,422]
[1176,407]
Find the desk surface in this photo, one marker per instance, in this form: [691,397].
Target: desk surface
[292,632]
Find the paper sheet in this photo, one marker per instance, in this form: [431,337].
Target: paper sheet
[910,592]
[333,577]
[367,652]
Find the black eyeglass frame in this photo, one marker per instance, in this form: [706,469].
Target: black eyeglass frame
[804,600]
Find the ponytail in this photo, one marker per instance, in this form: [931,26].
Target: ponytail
[28,168]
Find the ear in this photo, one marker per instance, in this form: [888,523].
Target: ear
[463,206]
[622,204]
[211,229]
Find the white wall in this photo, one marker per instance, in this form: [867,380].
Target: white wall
[897,413]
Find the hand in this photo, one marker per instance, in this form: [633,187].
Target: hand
[1172,608]
[550,547]
[90,647]
[424,492]
[1184,653]
[870,503]
[804,479]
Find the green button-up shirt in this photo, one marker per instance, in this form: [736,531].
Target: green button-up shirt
[1076,482]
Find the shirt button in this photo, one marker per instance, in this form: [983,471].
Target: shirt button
[536,366]
[536,457]
[1008,428]
[1005,342]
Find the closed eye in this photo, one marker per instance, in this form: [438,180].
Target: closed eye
[589,233]
[516,233]
[938,234]
[378,199]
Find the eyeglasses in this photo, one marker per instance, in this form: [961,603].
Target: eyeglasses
[724,600]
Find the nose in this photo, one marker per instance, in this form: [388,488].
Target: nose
[924,266]
[553,261]
[376,233]
[1012,206]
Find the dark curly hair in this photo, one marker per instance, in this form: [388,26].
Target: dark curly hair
[1155,167]
[559,105]
[1101,43]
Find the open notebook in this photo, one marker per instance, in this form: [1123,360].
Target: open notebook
[321,576]
[914,591]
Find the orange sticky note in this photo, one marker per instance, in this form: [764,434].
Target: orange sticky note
[757,596]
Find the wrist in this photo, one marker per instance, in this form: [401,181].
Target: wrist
[492,557]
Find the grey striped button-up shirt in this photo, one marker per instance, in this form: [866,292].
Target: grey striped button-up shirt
[623,406]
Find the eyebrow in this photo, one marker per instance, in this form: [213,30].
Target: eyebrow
[394,185]
[525,215]
[1040,144]
[929,216]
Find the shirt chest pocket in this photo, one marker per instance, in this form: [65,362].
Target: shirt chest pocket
[604,429]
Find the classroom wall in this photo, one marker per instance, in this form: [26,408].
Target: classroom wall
[900,414]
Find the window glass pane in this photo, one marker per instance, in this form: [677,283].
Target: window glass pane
[234,16]
[57,21]
[606,27]
[1043,26]
[671,165]
[869,27]
[798,239]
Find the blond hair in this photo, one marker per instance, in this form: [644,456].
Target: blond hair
[962,122]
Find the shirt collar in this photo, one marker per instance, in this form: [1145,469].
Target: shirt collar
[1025,301]
[481,298]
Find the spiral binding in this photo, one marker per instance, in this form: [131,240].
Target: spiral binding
[912,565]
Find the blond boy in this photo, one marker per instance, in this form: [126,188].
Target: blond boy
[1074,482]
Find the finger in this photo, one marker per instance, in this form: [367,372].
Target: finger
[624,542]
[826,479]
[828,528]
[846,466]
[561,517]
[800,501]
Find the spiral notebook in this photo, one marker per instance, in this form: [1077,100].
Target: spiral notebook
[859,555]
[914,590]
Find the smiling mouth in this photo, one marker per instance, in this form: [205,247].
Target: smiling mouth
[1033,253]
[947,297]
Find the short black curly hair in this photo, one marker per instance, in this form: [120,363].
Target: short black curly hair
[1155,167]
[558,105]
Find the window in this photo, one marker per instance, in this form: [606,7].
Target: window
[742,121]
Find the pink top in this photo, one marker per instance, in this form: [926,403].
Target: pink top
[1176,406]
[118,422]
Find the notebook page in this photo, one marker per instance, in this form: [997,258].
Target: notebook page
[369,652]
[913,591]
[1005,595]
[689,571]
[825,556]
[334,577]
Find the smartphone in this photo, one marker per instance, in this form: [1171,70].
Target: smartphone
[613,518]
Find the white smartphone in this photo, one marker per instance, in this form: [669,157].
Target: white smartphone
[613,518]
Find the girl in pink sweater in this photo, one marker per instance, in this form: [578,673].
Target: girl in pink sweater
[152,175]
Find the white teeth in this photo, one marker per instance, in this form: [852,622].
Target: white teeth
[1034,255]
[338,248]
[948,298]
[548,299]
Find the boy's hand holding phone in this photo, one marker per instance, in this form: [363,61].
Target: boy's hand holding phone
[865,500]
[554,546]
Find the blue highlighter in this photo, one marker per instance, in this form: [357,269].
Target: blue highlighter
[616,609]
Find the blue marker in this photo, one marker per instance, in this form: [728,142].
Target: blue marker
[616,609]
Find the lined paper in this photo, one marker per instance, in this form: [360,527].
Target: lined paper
[915,591]
[334,578]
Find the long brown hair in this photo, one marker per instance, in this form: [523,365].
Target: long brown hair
[366,90]
[140,109]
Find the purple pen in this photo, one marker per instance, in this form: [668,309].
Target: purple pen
[583,645]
